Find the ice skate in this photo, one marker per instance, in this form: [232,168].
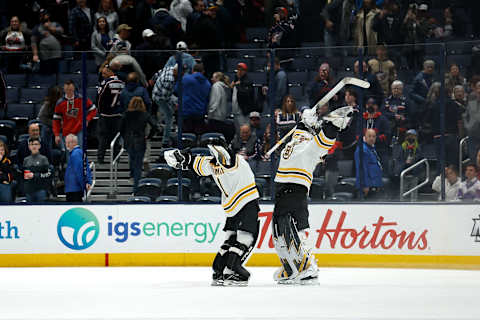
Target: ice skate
[235,280]
[280,276]
[309,276]
[217,280]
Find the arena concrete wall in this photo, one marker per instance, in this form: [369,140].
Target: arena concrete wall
[343,235]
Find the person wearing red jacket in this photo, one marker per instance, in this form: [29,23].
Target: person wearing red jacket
[67,118]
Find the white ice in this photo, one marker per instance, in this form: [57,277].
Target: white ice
[185,293]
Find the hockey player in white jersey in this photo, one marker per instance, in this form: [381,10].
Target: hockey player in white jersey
[235,179]
[313,137]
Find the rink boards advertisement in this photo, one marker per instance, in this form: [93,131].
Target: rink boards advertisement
[342,235]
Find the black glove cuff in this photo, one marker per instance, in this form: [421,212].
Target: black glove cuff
[329,130]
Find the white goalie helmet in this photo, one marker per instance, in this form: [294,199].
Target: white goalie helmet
[221,155]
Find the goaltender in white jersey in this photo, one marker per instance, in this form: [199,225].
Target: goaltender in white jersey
[235,179]
[236,183]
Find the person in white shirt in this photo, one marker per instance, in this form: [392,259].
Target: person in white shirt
[452,184]
[470,188]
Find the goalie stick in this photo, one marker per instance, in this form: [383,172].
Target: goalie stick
[339,86]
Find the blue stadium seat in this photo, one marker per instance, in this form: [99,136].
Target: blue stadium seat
[161,171]
[256,34]
[209,199]
[92,80]
[200,151]
[139,199]
[297,92]
[303,64]
[297,77]
[259,64]
[208,187]
[172,188]
[317,189]
[12,95]
[92,94]
[149,187]
[63,66]
[211,138]
[36,110]
[4,139]
[32,95]
[20,111]
[258,77]
[463,60]
[167,199]
[16,80]
[42,81]
[346,168]
[76,78]
[7,129]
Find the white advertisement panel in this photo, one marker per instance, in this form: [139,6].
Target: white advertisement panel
[401,229]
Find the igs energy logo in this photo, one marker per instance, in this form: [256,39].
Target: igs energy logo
[78,229]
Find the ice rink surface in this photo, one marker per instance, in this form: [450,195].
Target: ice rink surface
[185,293]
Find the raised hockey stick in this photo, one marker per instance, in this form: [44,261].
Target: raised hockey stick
[342,83]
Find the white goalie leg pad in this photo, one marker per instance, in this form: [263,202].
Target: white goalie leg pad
[292,248]
[310,268]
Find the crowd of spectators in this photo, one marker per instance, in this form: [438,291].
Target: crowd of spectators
[132,43]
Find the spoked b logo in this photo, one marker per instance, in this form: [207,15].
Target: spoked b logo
[78,228]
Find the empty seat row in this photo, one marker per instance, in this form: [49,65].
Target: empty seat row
[46,81]
[36,95]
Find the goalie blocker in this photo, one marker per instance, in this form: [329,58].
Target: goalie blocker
[235,179]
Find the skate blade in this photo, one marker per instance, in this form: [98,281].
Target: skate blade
[309,281]
[217,283]
[233,283]
[286,282]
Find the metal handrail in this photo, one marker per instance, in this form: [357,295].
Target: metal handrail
[93,169]
[460,156]
[404,172]
[114,166]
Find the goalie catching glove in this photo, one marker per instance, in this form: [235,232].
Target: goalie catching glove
[178,159]
[339,118]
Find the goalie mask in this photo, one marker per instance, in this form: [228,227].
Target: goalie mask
[221,155]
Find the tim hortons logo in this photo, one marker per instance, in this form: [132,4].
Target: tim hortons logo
[376,235]
[476,229]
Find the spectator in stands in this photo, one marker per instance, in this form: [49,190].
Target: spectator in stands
[374,119]
[180,9]
[76,183]
[383,68]
[133,88]
[242,97]
[110,109]
[45,43]
[194,16]
[102,40]
[187,59]
[148,53]
[68,115]
[421,86]
[218,106]
[405,155]
[470,188]
[471,121]
[144,10]
[124,63]
[416,28]
[196,92]
[369,172]
[320,86]
[396,110]
[162,20]
[338,15]
[15,39]
[375,91]
[162,95]
[453,119]
[387,23]
[23,149]
[256,124]
[3,94]
[36,173]
[282,32]
[459,101]
[347,141]
[80,24]
[45,115]
[6,174]
[280,84]
[122,35]
[287,117]
[244,142]
[133,128]
[263,145]
[127,12]
[452,183]
[107,10]
[453,78]
[368,12]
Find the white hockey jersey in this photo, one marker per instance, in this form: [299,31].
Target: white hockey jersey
[237,183]
[300,157]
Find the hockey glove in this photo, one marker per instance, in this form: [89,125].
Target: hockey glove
[340,118]
[178,159]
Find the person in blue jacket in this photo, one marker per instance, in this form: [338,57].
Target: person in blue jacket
[196,93]
[369,178]
[75,182]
